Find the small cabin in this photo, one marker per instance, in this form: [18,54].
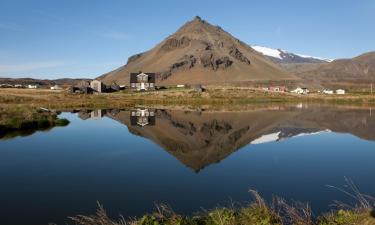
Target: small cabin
[301,91]
[33,86]
[340,91]
[327,92]
[97,86]
[142,81]
[56,87]
[277,88]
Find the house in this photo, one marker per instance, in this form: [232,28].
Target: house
[80,90]
[142,81]
[56,87]
[33,86]
[301,91]
[340,91]
[327,92]
[114,87]
[6,86]
[142,117]
[97,86]
[199,88]
[180,85]
[277,88]
[18,86]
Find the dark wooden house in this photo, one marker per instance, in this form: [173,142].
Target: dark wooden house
[142,81]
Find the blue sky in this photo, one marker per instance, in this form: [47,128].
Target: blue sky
[86,38]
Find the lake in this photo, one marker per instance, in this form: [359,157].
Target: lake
[131,159]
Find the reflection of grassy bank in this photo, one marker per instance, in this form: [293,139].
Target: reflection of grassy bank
[256,213]
[22,121]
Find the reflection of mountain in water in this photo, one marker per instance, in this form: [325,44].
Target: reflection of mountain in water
[198,139]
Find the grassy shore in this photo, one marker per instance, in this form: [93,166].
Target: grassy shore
[213,96]
[257,212]
[24,120]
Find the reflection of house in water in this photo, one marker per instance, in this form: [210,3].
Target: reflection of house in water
[142,117]
[91,114]
[97,114]
[84,114]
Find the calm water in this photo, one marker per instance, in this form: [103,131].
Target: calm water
[130,159]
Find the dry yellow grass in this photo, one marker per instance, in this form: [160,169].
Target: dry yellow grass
[183,97]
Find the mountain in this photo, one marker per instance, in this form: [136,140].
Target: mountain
[282,56]
[355,72]
[200,53]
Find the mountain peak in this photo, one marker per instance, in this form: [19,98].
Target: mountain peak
[200,53]
[197,18]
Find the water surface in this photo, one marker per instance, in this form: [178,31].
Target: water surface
[128,160]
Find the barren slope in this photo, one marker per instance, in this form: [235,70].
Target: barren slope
[200,53]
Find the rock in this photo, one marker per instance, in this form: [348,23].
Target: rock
[186,63]
[237,54]
[209,60]
[174,43]
[134,57]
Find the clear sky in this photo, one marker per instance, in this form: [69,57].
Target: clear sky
[86,38]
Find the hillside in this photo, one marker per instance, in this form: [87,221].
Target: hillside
[355,72]
[200,53]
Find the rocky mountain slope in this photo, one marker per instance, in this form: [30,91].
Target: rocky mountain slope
[200,53]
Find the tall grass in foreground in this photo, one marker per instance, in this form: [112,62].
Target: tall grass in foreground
[258,212]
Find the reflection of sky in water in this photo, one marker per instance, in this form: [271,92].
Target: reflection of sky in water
[51,175]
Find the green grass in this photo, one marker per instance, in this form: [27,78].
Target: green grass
[23,121]
[257,212]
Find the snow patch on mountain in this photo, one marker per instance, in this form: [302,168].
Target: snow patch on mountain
[283,54]
[267,51]
[313,57]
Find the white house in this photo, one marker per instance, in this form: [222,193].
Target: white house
[97,85]
[327,92]
[33,86]
[180,85]
[340,91]
[56,87]
[301,91]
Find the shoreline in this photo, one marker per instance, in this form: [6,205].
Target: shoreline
[175,97]
[257,212]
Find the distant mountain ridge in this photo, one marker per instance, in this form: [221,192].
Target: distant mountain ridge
[201,53]
[283,56]
[358,71]
[42,82]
